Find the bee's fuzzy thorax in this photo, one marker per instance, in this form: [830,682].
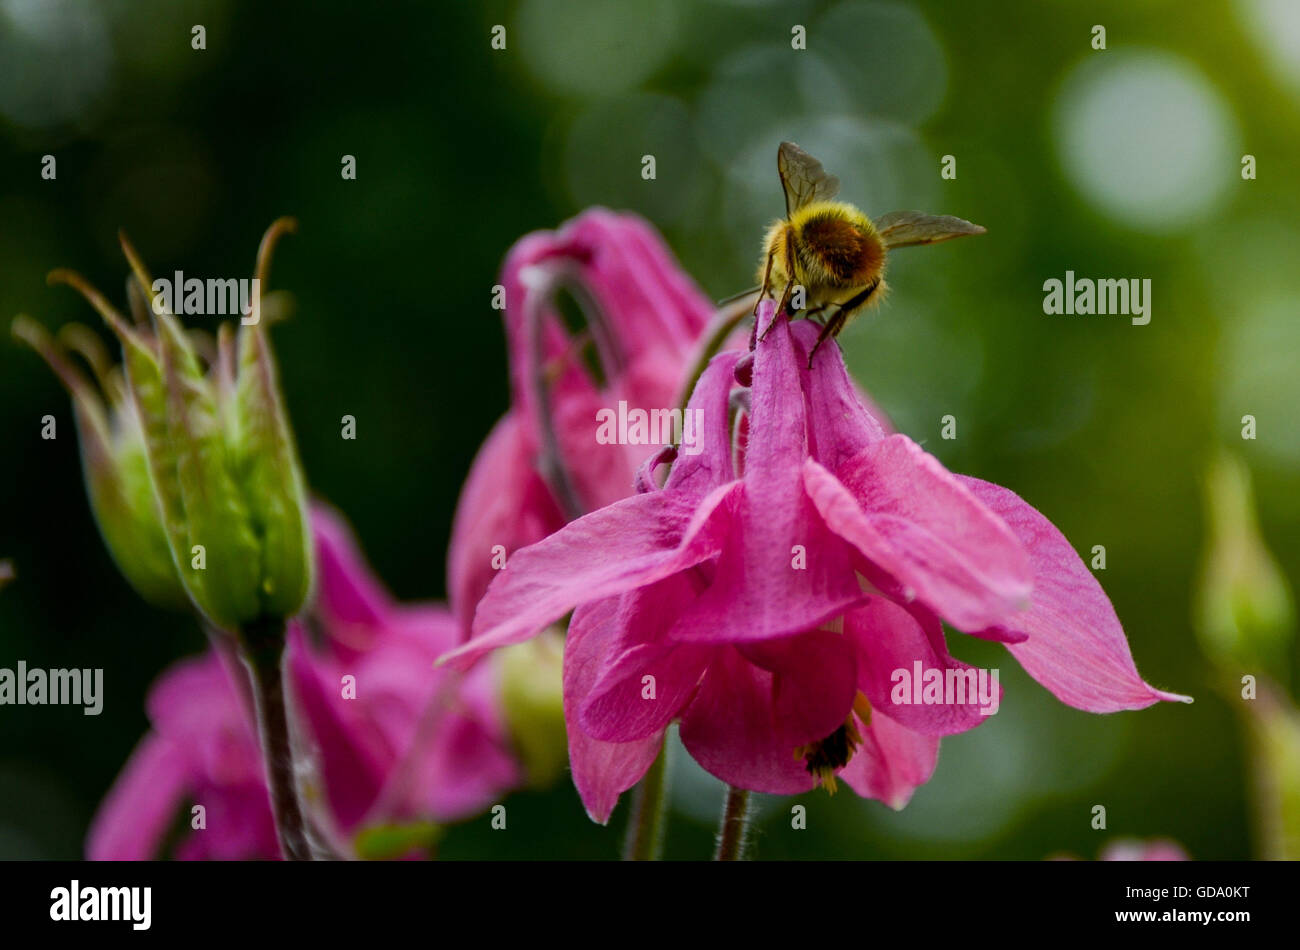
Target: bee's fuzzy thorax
[824,246]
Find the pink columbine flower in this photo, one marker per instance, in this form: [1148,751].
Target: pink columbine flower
[647,321]
[411,745]
[764,596]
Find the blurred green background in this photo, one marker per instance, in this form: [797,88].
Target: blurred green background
[1117,163]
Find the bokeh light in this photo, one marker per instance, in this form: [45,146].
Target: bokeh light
[1146,138]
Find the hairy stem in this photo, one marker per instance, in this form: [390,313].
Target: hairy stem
[725,321]
[263,655]
[734,826]
[645,829]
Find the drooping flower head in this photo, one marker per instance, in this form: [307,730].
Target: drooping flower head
[541,467]
[768,593]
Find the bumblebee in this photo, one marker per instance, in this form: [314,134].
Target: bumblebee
[833,251]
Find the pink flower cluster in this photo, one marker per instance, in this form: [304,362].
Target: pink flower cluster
[399,741]
[765,595]
[763,598]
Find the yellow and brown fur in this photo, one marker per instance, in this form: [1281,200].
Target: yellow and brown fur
[832,250]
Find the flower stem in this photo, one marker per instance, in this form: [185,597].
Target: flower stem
[263,655]
[645,829]
[734,826]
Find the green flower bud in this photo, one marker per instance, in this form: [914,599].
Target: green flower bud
[1274,732]
[532,693]
[113,462]
[1244,614]
[214,446]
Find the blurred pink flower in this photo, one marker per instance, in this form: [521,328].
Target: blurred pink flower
[414,742]
[1135,849]
[201,751]
[647,326]
[765,600]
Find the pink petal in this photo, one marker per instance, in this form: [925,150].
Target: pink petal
[240,826]
[195,705]
[711,466]
[892,762]
[601,770]
[621,706]
[629,544]
[814,685]
[731,729]
[654,313]
[649,297]
[781,571]
[351,759]
[907,513]
[144,801]
[504,502]
[347,593]
[889,638]
[468,764]
[1076,646]
[843,425]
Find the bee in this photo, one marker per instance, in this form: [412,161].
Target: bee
[833,251]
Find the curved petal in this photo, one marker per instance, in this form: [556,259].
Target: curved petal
[601,770]
[892,762]
[711,465]
[651,301]
[347,593]
[1076,647]
[889,640]
[653,315]
[903,510]
[815,680]
[629,544]
[504,502]
[731,729]
[140,808]
[843,425]
[621,704]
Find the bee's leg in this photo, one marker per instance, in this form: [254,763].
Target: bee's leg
[841,316]
[762,290]
[785,300]
[832,328]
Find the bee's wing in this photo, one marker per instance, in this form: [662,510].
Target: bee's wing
[904,228]
[803,178]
